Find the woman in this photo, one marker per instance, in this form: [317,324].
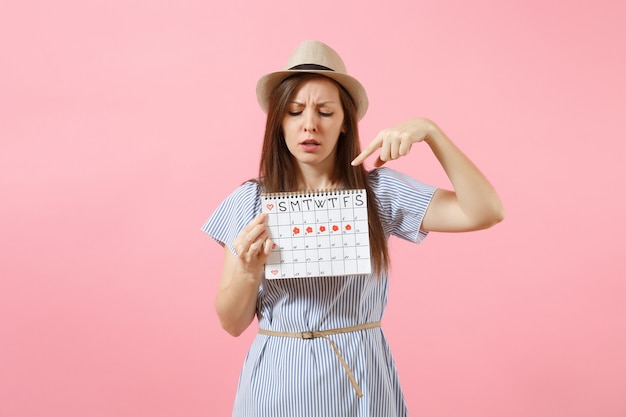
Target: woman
[320,349]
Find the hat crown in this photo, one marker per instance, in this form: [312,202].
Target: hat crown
[316,53]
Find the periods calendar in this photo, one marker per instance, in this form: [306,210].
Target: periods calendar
[320,233]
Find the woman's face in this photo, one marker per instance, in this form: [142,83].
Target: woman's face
[313,123]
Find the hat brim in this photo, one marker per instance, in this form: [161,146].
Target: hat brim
[269,82]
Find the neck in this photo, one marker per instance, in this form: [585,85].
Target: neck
[312,178]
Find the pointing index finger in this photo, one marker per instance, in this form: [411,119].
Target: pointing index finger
[365,153]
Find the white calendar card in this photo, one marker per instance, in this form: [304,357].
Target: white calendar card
[317,233]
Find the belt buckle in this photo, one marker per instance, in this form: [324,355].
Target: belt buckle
[307,335]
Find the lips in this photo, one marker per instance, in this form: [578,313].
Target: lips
[309,145]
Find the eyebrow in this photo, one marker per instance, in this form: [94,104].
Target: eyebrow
[323,103]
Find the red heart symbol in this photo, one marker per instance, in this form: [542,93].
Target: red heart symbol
[270,207]
[274,271]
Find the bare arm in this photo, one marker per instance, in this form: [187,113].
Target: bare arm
[472,205]
[241,276]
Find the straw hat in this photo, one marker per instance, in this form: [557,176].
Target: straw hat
[318,58]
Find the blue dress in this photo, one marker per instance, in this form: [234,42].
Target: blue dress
[291,377]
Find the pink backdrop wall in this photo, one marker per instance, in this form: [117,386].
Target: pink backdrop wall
[124,123]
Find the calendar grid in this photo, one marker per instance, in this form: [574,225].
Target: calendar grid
[317,233]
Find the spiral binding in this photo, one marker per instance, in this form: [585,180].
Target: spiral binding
[313,193]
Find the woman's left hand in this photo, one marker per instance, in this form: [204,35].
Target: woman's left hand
[396,141]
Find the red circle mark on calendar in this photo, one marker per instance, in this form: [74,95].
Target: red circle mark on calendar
[296,231]
[322,228]
[335,227]
[348,227]
[309,229]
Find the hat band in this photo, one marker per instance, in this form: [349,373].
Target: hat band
[311,67]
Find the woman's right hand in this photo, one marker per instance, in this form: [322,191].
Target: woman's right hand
[253,244]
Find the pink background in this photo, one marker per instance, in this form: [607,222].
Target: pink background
[123,124]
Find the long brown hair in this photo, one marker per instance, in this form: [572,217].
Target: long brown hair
[277,167]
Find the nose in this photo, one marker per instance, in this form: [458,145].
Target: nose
[310,124]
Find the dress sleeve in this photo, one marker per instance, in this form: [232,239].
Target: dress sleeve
[233,214]
[402,202]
